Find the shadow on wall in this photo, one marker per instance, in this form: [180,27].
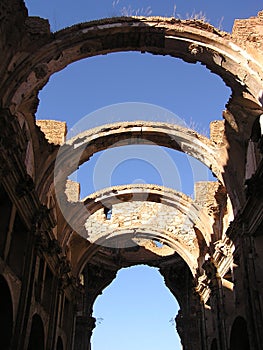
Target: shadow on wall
[239,335]
[6,315]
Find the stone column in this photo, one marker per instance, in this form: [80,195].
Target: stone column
[26,295]
[96,278]
[178,278]
[83,332]
[217,303]
[246,280]
[253,299]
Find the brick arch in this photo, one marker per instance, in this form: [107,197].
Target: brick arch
[192,41]
[156,200]
[80,148]
[180,249]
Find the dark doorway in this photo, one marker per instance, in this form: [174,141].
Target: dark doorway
[214,345]
[37,336]
[239,336]
[59,344]
[6,315]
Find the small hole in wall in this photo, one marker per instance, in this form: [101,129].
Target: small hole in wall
[81,279]
[108,213]
[158,243]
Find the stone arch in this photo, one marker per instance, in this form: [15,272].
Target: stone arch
[37,334]
[178,279]
[239,339]
[146,193]
[80,148]
[192,41]
[90,213]
[92,253]
[139,293]
[6,314]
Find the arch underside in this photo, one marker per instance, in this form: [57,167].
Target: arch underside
[142,216]
[157,35]
[79,149]
[154,35]
[80,215]
[192,41]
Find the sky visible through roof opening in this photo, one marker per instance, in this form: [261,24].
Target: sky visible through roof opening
[190,92]
[142,315]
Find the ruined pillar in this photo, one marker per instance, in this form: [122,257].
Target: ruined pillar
[217,302]
[83,332]
[179,279]
[96,278]
[252,298]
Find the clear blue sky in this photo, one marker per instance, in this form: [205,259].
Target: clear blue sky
[189,91]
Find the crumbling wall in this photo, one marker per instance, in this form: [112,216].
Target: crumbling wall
[55,131]
[72,190]
[149,216]
[248,34]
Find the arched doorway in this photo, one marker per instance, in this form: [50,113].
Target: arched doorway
[6,315]
[37,334]
[59,344]
[239,339]
[214,345]
[144,312]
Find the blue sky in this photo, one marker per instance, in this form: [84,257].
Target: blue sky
[63,13]
[188,91]
[137,312]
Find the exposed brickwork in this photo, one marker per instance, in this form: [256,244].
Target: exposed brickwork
[72,190]
[37,26]
[217,132]
[248,34]
[147,216]
[54,131]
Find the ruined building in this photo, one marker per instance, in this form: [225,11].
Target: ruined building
[57,253]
